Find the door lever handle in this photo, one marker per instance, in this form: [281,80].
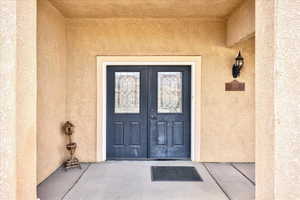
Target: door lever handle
[152,117]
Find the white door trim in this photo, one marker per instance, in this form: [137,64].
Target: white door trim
[102,99]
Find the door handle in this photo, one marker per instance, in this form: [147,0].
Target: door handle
[152,117]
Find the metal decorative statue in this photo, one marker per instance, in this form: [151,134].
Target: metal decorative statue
[237,66]
[72,162]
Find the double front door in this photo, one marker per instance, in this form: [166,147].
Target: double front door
[148,112]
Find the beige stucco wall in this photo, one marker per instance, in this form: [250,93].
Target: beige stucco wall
[51,107]
[287,100]
[264,100]
[241,23]
[26,82]
[18,99]
[7,100]
[277,100]
[227,132]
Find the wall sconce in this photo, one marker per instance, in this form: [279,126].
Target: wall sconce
[237,66]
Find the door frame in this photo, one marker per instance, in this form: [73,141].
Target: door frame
[104,61]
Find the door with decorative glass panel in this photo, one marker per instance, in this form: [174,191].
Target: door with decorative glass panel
[148,112]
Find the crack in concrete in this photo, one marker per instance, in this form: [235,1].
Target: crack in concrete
[216,181]
[237,169]
[77,180]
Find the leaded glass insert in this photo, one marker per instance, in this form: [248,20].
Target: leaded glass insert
[127,92]
[169,92]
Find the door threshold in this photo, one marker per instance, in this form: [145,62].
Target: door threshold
[170,159]
[148,159]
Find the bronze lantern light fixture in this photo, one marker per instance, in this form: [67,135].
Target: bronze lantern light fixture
[238,65]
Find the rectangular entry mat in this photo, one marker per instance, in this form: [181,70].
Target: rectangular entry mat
[174,173]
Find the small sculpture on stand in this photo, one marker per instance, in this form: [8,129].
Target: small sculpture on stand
[72,162]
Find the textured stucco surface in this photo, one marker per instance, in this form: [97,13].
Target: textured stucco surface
[18,99]
[227,132]
[26,82]
[277,100]
[264,100]
[241,23]
[51,89]
[145,8]
[7,100]
[287,100]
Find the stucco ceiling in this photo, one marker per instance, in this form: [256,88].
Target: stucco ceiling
[145,8]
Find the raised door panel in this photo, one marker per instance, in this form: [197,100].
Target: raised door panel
[161,133]
[178,133]
[118,133]
[134,133]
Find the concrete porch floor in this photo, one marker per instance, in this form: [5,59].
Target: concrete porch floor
[131,180]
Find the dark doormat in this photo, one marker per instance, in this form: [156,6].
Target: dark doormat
[174,173]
